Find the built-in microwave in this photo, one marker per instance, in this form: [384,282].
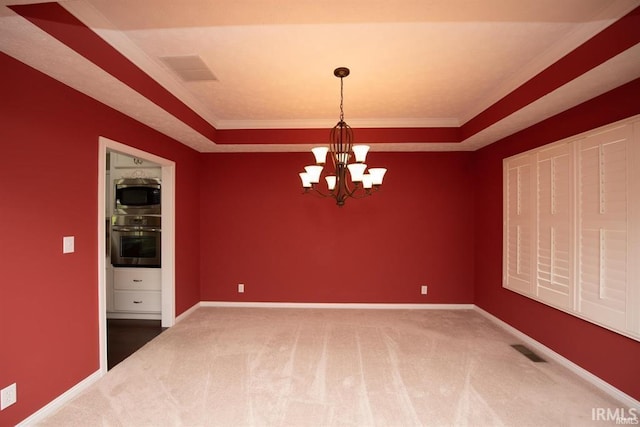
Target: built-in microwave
[137,196]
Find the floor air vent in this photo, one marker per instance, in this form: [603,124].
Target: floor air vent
[528,353]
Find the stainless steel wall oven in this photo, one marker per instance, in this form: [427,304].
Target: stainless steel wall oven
[135,241]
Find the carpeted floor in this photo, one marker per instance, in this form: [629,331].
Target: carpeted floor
[311,367]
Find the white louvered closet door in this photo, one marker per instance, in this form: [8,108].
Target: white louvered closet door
[518,236]
[603,203]
[554,234]
[571,231]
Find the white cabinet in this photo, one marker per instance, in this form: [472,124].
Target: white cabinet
[109,285]
[123,166]
[123,161]
[137,279]
[571,232]
[136,293]
[133,301]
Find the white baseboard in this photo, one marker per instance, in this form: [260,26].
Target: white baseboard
[374,306]
[617,394]
[61,400]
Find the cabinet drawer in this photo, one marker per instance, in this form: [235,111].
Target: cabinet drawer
[137,279]
[137,301]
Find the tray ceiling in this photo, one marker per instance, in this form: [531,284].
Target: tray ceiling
[251,75]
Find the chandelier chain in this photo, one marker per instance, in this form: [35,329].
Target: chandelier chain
[341,100]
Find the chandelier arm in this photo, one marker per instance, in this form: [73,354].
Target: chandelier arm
[313,189]
[367,193]
[348,194]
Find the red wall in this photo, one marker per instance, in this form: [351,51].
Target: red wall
[606,354]
[49,174]
[258,229]
[436,221]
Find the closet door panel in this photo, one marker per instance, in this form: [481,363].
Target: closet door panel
[518,233]
[554,237]
[571,225]
[603,197]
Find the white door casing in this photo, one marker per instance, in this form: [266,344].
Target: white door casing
[168,237]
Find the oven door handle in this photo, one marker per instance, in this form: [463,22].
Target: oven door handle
[154,230]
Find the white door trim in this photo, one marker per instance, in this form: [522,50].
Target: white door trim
[168,237]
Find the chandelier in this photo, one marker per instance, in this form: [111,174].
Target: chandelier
[360,182]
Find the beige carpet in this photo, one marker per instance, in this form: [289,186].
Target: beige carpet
[310,367]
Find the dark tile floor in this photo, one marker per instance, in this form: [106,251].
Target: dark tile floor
[126,336]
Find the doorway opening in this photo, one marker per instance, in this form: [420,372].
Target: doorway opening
[126,336]
[167,276]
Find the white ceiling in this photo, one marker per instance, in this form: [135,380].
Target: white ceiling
[414,63]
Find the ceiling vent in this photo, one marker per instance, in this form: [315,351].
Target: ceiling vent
[189,68]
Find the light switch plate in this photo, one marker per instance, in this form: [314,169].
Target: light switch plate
[68,243]
[8,396]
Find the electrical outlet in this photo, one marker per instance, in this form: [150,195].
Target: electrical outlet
[423,289]
[240,288]
[8,396]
